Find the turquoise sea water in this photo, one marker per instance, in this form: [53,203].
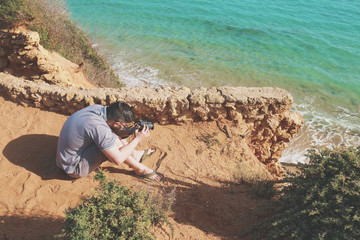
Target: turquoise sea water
[310,48]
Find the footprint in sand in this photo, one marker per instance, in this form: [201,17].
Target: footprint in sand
[155,159]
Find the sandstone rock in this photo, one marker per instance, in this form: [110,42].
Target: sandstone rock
[5,42]
[48,102]
[25,38]
[46,67]
[234,115]
[62,77]
[197,97]
[47,77]
[111,99]
[277,154]
[16,59]
[4,62]
[267,132]
[8,71]
[32,38]
[71,110]
[30,55]
[35,77]
[2,52]
[178,103]
[273,123]
[69,96]
[33,90]
[213,96]
[296,118]
[18,41]
[36,97]
[89,101]
[27,56]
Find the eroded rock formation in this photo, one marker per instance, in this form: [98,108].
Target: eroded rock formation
[22,55]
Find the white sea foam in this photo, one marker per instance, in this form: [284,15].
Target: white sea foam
[320,130]
[135,75]
[130,73]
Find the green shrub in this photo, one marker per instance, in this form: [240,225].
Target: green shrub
[113,212]
[323,201]
[50,18]
[14,11]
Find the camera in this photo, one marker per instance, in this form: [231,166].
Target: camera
[139,124]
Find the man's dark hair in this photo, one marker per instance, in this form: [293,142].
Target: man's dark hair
[120,111]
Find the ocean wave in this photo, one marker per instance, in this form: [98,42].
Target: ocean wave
[136,75]
[321,130]
[130,73]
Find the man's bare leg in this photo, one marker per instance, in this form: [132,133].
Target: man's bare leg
[137,154]
[140,169]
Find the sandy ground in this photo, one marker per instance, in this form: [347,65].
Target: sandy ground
[198,161]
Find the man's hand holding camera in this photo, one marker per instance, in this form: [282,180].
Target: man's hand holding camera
[139,126]
[140,135]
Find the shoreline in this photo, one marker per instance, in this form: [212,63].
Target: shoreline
[325,131]
[322,131]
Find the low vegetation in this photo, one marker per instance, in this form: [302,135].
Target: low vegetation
[321,202]
[50,18]
[114,212]
[259,183]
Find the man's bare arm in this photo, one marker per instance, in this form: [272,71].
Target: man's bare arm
[120,152]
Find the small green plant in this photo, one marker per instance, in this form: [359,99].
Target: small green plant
[259,183]
[264,188]
[322,201]
[113,212]
[100,176]
[209,139]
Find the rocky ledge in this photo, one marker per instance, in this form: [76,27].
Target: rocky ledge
[265,111]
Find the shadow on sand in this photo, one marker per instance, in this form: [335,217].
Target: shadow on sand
[36,153]
[19,227]
[227,211]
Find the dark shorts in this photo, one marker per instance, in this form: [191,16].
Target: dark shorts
[91,158]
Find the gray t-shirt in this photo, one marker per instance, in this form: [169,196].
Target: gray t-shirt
[82,129]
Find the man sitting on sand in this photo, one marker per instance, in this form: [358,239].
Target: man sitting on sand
[87,139]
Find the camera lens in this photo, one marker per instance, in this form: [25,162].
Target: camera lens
[142,123]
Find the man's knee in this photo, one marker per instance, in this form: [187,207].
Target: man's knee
[74,175]
[81,170]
